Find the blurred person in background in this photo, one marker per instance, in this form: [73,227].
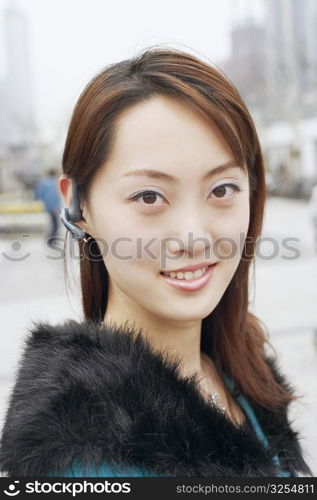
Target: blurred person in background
[313,212]
[47,191]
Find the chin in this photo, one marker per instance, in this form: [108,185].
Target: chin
[186,314]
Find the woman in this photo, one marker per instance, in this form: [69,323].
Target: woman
[167,375]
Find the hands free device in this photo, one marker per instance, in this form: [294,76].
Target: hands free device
[74,214]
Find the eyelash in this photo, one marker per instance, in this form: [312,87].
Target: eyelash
[142,193]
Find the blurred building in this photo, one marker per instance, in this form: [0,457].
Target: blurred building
[291,154]
[19,106]
[291,138]
[246,66]
[274,66]
[17,123]
[291,27]
[311,46]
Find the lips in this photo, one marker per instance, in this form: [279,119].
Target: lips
[192,267]
[191,284]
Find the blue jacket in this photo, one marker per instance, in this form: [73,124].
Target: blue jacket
[46,190]
[99,401]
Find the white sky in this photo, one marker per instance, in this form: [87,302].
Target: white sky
[70,40]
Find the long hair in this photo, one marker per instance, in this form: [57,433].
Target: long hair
[230,332]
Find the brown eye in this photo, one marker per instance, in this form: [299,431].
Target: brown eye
[220,191]
[148,197]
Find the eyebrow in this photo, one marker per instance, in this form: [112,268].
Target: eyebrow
[157,174]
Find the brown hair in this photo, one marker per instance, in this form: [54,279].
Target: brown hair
[230,331]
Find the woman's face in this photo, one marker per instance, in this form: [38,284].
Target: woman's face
[190,216]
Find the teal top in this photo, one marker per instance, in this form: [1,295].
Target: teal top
[245,405]
[78,470]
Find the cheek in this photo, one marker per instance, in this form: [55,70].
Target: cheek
[231,235]
[127,244]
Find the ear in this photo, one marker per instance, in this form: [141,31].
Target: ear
[65,188]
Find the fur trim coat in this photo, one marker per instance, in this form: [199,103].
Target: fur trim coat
[101,395]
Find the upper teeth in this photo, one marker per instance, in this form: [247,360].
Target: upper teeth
[187,275]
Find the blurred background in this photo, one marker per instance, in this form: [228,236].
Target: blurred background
[50,49]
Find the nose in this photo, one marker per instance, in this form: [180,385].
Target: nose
[191,237]
[192,245]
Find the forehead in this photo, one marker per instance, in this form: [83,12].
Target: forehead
[164,133]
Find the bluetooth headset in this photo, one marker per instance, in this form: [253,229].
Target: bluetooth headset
[74,214]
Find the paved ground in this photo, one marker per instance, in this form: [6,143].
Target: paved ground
[283,294]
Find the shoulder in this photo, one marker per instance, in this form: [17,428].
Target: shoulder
[73,356]
[85,396]
[79,347]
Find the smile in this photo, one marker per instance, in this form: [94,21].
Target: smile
[189,280]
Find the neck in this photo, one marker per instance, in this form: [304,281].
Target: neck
[181,342]
[175,339]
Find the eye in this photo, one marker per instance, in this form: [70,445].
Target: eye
[149,197]
[220,191]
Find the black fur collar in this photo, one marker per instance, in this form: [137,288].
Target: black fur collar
[101,393]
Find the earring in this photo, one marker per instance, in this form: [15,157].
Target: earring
[87,239]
